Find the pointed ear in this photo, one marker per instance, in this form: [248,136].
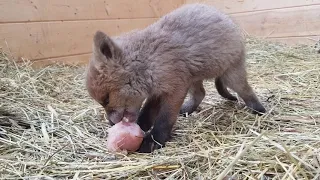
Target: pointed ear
[105,46]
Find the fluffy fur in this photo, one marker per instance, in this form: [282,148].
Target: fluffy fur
[165,61]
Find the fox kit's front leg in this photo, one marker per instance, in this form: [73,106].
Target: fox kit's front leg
[148,113]
[164,119]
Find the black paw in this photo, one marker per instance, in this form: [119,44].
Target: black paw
[111,123]
[259,110]
[259,113]
[149,144]
[187,109]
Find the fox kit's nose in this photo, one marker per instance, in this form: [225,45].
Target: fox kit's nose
[117,115]
[114,116]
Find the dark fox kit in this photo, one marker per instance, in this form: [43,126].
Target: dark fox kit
[162,63]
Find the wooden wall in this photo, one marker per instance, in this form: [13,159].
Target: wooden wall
[288,21]
[49,31]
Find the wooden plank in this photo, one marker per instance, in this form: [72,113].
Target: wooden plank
[308,40]
[82,59]
[298,21]
[237,6]
[55,10]
[55,39]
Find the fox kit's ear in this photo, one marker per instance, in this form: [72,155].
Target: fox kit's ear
[105,46]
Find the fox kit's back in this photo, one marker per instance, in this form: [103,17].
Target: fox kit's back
[162,63]
[196,40]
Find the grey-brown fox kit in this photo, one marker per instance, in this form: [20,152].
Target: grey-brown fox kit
[162,63]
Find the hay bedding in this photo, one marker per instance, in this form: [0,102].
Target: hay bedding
[50,128]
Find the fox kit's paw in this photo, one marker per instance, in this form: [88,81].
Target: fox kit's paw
[111,123]
[257,108]
[149,144]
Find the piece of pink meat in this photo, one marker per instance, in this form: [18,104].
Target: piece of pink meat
[124,136]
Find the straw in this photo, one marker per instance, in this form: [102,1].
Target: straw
[51,128]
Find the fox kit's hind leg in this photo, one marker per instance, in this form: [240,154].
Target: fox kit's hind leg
[222,90]
[197,93]
[164,118]
[236,79]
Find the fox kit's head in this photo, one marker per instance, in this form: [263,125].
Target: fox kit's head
[110,82]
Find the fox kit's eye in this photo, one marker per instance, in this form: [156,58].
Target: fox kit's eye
[106,100]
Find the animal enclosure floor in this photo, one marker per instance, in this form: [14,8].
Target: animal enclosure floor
[51,128]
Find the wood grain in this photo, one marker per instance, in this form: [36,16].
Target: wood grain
[60,31]
[81,60]
[292,41]
[238,6]
[58,10]
[298,21]
[54,39]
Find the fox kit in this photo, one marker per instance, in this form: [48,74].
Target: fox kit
[164,62]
